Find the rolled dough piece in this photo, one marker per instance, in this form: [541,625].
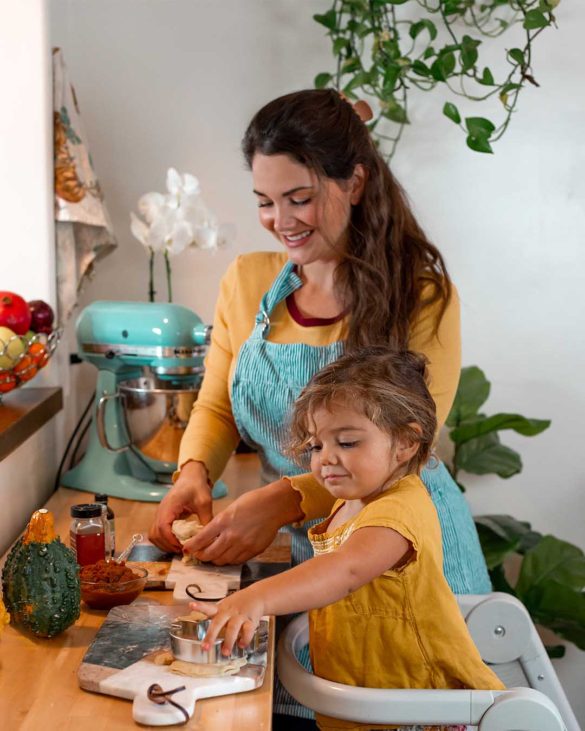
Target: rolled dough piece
[185,529]
[208,670]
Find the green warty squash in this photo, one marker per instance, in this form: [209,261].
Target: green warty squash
[40,580]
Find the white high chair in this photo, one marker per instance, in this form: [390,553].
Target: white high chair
[506,639]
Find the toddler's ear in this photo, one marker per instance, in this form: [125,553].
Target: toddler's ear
[406,448]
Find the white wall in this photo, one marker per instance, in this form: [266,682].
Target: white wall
[174,82]
[26,240]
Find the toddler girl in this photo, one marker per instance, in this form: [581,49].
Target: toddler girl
[381,612]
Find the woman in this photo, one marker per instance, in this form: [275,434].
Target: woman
[356,270]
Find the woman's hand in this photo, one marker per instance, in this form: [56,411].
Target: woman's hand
[239,614]
[190,494]
[247,526]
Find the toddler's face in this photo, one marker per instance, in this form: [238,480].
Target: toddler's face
[350,456]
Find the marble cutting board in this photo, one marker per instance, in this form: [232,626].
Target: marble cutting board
[120,661]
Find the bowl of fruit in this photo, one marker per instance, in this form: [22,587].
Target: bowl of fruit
[28,339]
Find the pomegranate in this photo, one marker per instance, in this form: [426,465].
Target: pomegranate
[14,313]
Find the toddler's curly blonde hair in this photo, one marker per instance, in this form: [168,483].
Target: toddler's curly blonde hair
[387,386]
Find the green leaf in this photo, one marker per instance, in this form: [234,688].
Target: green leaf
[501,535]
[363,30]
[391,74]
[350,64]
[339,45]
[478,144]
[472,392]
[498,422]
[559,608]
[451,111]
[444,66]
[479,127]
[420,68]
[328,19]
[504,526]
[395,112]
[555,651]
[495,549]
[517,55]
[425,24]
[468,53]
[452,7]
[321,80]
[485,455]
[499,581]
[487,78]
[361,78]
[396,2]
[535,19]
[552,560]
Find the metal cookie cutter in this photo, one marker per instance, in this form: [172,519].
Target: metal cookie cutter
[187,636]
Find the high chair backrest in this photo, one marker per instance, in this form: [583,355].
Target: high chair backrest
[506,638]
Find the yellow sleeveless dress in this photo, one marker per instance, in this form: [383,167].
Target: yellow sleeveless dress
[404,629]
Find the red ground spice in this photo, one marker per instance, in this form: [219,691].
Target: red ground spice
[107,572]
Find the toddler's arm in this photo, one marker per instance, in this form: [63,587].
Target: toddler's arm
[313,584]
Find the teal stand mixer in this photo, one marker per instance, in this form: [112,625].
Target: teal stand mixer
[149,357]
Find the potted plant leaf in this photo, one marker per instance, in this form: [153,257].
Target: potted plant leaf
[549,573]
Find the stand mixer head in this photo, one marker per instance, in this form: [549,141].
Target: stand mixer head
[149,357]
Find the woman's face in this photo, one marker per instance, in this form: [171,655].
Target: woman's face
[308,215]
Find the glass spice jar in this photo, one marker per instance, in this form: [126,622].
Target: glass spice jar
[111,544]
[87,535]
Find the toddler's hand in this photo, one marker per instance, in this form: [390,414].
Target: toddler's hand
[239,614]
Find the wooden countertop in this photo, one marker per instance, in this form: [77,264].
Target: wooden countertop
[38,677]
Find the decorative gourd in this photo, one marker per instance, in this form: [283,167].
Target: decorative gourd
[41,579]
[4,616]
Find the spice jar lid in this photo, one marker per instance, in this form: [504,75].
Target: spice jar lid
[100,497]
[86,510]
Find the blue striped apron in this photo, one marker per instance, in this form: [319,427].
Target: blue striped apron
[268,378]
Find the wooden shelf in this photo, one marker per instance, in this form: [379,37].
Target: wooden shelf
[23,412]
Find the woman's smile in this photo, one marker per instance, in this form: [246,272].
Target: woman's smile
[294,241]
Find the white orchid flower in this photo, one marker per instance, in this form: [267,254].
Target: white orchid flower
[139,229]
[181,186]
[171,222]
[151,206]
[181,236]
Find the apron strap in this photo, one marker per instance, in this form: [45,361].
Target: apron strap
[285,283]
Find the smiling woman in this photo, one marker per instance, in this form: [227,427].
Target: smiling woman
[356,270]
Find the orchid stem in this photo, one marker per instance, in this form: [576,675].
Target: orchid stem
[151,292]
[169,284]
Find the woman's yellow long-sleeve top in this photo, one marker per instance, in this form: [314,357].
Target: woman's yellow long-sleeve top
[211,435]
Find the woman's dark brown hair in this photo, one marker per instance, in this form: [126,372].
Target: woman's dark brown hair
[389,260]
[387,386]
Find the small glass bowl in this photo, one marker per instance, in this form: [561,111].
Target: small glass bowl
[103,595]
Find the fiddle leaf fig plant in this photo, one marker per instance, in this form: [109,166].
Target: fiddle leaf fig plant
[551,577]
[386,49]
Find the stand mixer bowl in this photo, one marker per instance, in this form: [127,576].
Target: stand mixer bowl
[156,414]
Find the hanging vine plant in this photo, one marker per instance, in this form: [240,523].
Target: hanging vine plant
[387,48]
